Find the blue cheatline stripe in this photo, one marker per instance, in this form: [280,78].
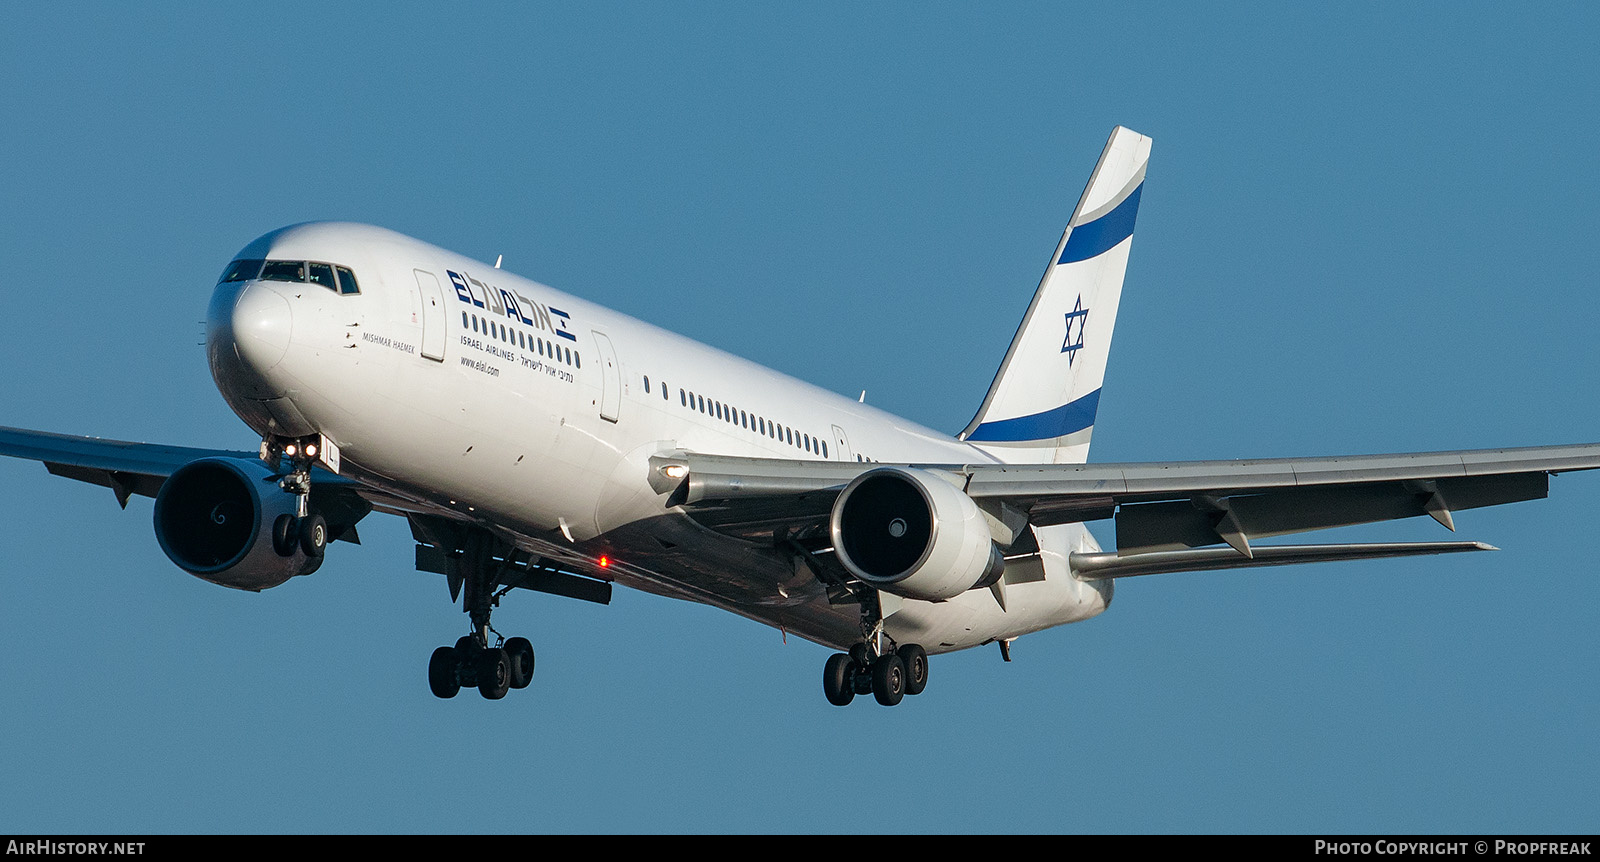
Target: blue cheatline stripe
[1048,425]
[1102,234]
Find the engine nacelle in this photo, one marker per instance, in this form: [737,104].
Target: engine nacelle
[911,533]
[215,518]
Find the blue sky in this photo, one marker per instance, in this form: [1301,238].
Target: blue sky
[1366,228]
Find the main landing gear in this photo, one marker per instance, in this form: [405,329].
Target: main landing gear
[473,662]
[874,666]
[888,677]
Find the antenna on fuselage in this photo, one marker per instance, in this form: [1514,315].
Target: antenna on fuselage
[497,260]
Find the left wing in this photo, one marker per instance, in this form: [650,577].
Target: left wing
[1158,506]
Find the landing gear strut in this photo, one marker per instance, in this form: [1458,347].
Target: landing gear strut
[873,665]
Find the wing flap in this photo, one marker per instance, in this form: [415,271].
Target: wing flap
[1165,526]
[122,484]
[1102,566]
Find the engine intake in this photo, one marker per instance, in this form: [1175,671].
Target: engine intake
[215,517]
[911,533]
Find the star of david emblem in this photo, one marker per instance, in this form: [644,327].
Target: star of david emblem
[1077,319]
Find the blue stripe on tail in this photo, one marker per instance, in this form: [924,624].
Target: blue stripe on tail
[1048,425]
[1103,234]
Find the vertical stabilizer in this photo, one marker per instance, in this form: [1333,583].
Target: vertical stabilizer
[1041,406]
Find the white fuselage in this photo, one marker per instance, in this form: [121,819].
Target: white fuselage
[465,387]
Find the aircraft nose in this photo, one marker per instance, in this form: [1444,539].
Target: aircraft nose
[261,323]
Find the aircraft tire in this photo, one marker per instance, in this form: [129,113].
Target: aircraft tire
[838,679]
[916,662]
[442,673]
[889,680]
[313,535]
[494,674]
[467,660]
[285,538]
[520,652]
[860,654]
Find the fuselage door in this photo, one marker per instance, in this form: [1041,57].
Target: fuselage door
[432,314]
[841,445]
[611,375]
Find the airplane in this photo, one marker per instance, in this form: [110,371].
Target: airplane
[534,440]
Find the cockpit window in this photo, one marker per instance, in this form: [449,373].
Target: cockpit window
[322,273]
[242,270]
[284,270]
[347,281]
[338,279]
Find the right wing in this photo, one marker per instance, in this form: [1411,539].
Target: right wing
[442,535]
[125,468]
[142,468]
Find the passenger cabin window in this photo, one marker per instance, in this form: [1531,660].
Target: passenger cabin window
[242,270]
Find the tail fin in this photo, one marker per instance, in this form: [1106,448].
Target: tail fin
[1040,408]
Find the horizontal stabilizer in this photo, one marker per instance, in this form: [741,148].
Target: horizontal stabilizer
[1101,566]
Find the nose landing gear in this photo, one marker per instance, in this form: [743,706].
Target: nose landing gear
[305,530]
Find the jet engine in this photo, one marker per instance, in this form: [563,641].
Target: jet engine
[225,520]
[909,532]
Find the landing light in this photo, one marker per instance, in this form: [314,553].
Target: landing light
[290,450]
[675,471]
[311,450]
